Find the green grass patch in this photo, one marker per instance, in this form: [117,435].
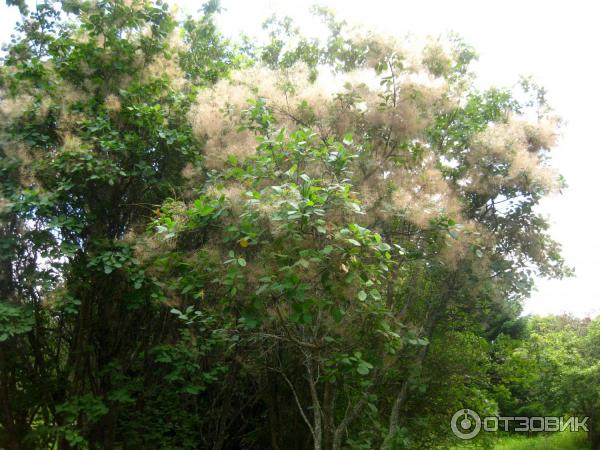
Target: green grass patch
[554,441]
[551,441]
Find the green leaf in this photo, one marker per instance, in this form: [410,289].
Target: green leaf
[362,296]
[338,315]
[375,294]
[363,368]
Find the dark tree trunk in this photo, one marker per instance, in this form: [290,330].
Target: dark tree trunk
[593,434]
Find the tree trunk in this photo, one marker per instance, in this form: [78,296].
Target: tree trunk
[351,414]
[593,434]
[436,311]
[329,415]
[316,405]
[273,410]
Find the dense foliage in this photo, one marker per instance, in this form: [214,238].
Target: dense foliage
[550,369]
[288,244]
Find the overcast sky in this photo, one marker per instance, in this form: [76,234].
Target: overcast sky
[557,42]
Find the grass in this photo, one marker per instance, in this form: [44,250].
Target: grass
[553,441]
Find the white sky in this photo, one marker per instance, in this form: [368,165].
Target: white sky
[557,42]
